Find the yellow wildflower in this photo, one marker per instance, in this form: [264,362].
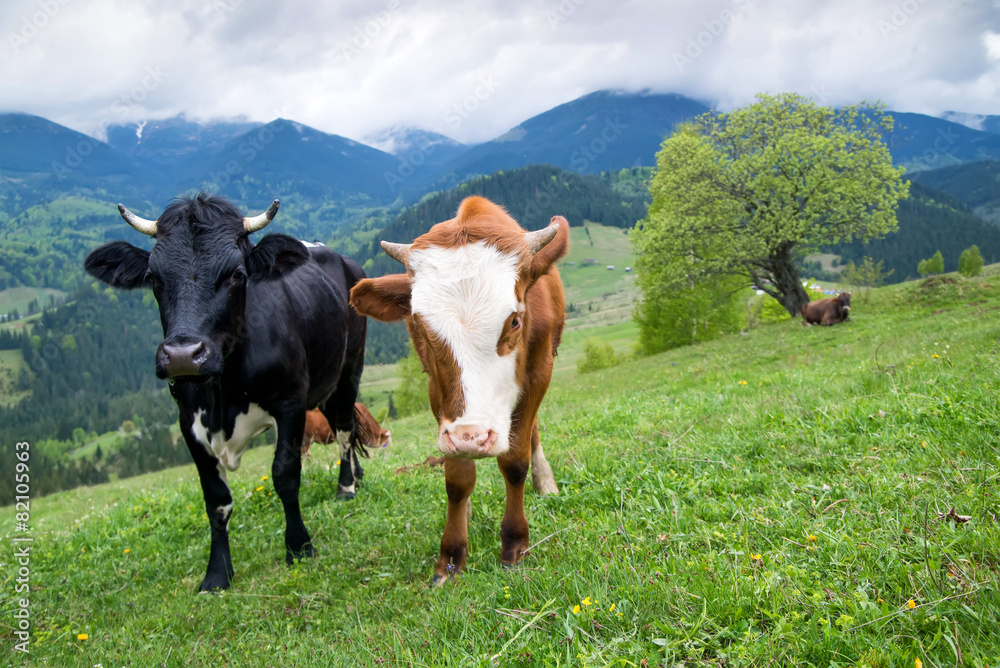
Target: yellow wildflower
[264,478]
[936,355]
[743,382]
[755,557]
[82,636]
[612,608]
[259,488]
[127,550]
[586,601]
[576,609]
[918,663]
[812,538]
[910,604]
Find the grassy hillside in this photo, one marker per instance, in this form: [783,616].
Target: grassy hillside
[777,497]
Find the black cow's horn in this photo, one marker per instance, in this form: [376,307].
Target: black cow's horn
[252,224]
[397,252]
[538,240]
[147,227]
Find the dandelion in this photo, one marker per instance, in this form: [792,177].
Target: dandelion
[755,557]
[612,608]
[338,463]
[917,663]
[127,550]
[82,636]
[878,600]
[911,604]
[936,355]
[263,478]
[586,601]
[812,538]
[260,488]
[576,609]
[743,382]
[923,444]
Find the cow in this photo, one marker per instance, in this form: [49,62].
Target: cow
[827,311]
[484,307]
[252,336]
[370,434]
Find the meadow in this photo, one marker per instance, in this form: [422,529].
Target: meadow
[787,496]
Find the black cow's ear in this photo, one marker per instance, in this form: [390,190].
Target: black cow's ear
[275,256]
[120,265]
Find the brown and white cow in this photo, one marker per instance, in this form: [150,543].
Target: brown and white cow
[370,434]
[827,311]
[484,306]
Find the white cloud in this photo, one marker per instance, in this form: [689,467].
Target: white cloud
[355,67]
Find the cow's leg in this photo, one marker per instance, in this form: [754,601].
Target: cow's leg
[339,412]
[514,526]
[459,481]
[286,471]
[218,507]
[541,473]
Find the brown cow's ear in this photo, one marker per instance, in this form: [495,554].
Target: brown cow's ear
[553,251]
[386,298]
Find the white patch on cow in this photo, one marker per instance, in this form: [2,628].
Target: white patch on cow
[312,244]
[344,440]
[464,295]
[229,451]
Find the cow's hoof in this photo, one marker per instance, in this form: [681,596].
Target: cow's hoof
[307,552]
[439,581]
[345,494]
[214,582]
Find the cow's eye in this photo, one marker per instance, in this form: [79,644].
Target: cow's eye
[154,281]
[238,276]
[515,323]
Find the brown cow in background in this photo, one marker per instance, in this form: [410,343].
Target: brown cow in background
[369,432]
[828,311]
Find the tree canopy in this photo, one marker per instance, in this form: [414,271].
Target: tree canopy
[743,194]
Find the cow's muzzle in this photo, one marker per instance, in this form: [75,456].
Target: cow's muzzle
[467,442]
[177,359]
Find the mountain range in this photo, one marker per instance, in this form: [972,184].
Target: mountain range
[327,178]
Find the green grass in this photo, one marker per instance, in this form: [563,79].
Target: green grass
[19,298]
[833,454]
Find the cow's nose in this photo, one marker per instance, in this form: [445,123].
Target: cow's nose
[470,440]
[180,359]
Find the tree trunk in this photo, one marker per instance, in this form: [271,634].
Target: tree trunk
[787,282]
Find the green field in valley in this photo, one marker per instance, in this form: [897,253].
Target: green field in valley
[790,496]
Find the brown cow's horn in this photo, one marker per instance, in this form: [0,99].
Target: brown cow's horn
[538,240]
[147,227]
[260,222]
[397,252]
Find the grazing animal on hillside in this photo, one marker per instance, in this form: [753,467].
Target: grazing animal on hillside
[827,311]
[484,306]
[370,433]
[252,336]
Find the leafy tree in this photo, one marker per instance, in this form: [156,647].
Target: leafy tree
[598,355]
[746,193]
[934,265]
[970,263]
[411,397]
[867,275]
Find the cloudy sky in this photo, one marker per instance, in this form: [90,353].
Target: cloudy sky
[473,70]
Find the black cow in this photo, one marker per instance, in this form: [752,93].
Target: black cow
[253,335]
